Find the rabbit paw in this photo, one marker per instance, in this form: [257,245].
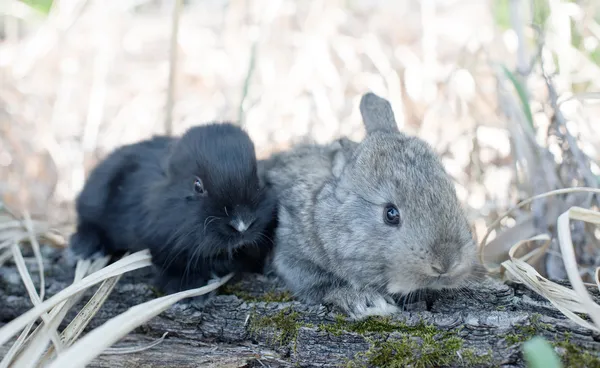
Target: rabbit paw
[361,304]
[85,243]
[71,257]
[171,284]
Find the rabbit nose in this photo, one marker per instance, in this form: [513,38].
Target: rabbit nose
[440,268]
[240,225]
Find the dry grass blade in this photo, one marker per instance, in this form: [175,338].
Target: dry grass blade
[497,250]
[92,344]
[14,349]
[39,338]
[563,298]
[24,336]
[36,346]
[491,228]
[8,223]
[35,299]
[533,255]
[568,253]
[85,315]
[35,245]
[5,256]
[126,264]
[176,14]
[134,349]
[567,301]
[9,237]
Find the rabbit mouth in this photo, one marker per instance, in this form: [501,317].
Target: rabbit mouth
[426,281]
[445,282]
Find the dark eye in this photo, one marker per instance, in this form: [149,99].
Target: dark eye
[198,186]
[391,215]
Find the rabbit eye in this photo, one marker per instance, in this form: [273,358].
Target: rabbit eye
[391,215]
[198,186]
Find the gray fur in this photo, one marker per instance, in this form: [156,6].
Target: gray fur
[332,244]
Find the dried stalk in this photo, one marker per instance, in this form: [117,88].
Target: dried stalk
[175,15]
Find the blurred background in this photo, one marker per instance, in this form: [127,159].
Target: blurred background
[505,90]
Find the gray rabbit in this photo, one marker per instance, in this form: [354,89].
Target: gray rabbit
[362,222]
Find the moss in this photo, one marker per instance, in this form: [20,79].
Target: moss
[418,352]
[157,293]
[513,339]
[277,296]
[571,355]
[376,325]
[525,332]
[471,358]
[421,345]
[235,289]
[269,296]
[336,328]
[574,356]
[285,323]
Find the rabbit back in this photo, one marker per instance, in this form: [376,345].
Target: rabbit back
[110,207]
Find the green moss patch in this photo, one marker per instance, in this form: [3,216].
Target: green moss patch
[270,296]
[284,325]
[422,352]
[571,355]
[368,325]
[574,356]
[420,345]
[157,293]
[525,332]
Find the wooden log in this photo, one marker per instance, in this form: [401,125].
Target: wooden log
[254,322]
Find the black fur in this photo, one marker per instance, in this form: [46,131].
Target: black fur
[142,196]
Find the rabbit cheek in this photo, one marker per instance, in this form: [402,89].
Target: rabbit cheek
[452,281]
[408,270]
[402,284]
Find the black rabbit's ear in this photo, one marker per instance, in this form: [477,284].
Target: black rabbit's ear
[169,161]
[377,114]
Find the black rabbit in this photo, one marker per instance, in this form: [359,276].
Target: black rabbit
[195,202]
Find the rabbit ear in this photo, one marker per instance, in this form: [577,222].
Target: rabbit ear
[377,113]
[342,156]
[339,162]
[167,160]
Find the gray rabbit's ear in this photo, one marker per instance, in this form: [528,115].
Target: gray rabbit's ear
[339,162]
[377,114]
[345,149]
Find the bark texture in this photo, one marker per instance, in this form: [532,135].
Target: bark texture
[254,323]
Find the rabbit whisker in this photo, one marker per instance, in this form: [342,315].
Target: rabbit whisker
[196,257]
[230,250]
[190,260]
[266,237]
[208,221]
[177,245]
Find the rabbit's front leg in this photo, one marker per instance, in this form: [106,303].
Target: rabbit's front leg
[313,284]
[359,304]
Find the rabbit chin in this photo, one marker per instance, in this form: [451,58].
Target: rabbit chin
[401,287]
[405,286]
[246,240]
